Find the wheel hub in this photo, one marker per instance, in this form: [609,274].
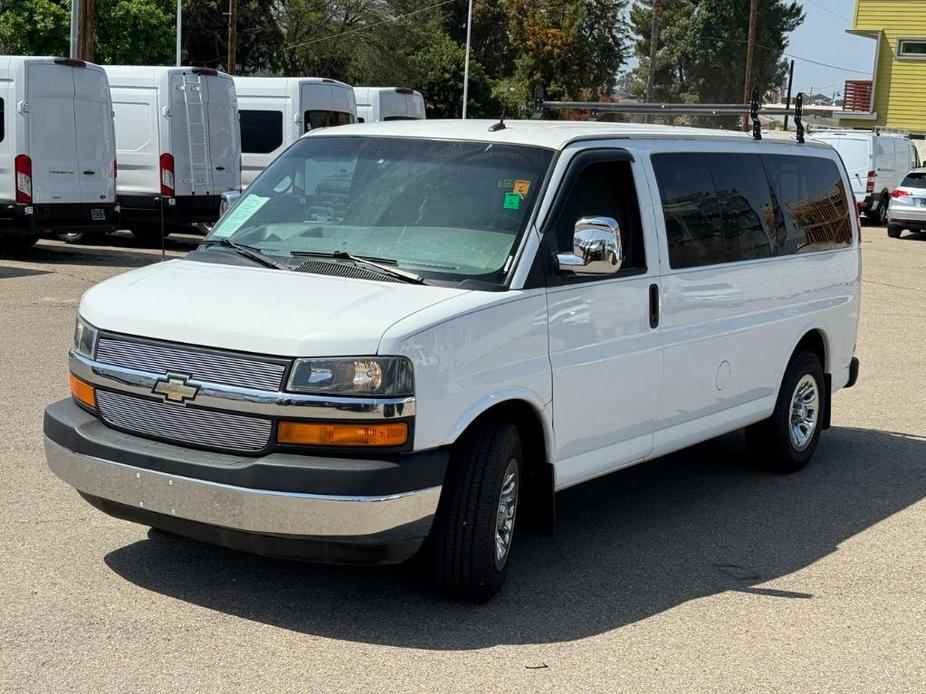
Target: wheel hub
[805,406]
[507,510]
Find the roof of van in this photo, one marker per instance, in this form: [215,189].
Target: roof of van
[552,134]
[9,62]
[131,71]
[280,81]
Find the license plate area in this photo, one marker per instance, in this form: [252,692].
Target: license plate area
[97,214]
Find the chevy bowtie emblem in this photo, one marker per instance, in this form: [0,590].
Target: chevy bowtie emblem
[175,389]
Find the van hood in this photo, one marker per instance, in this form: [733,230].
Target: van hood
[258,310]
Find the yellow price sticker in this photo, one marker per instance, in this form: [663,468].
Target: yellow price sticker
[521,186]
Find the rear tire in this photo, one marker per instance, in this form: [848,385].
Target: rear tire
[786,441]
[74,237]
[894,231]
[474,525]
[881,213]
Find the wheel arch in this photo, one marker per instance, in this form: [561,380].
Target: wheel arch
[815,339]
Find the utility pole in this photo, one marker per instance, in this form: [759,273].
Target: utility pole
[232,36]
[750,52]
[75,21]
[469,34]
[85,30]
[788,98]
[179,30]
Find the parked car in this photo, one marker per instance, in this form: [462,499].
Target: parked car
[277,111]
[876,162]
[375,104]
[178,145]
[425,330]
[908,205]
[57,151]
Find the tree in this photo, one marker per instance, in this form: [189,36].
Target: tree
[440,78]
[259,41]
[35,27]
[702,49]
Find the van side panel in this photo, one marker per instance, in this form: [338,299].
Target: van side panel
[96,146]
[137,140]
[52,133]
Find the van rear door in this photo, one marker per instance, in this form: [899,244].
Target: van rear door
[856,155]
[52,133]
[326,105]
[224,135]
[96,146]
[189,140]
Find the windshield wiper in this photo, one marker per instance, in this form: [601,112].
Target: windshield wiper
[248,252]
[367,262]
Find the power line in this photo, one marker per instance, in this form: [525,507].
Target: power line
[374,24]
[826,9]
[790,55]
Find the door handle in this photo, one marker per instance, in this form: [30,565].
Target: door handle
[654,306]
[220,168]
[89,172]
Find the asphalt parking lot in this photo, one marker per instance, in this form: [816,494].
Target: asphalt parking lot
[693,572]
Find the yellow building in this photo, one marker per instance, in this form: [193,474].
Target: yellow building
[896,95]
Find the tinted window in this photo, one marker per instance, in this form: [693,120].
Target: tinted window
[746,209]
[914,180]
[604,189]
[692,212]
[325,119]
[261,131]
[913,49]
[813,201]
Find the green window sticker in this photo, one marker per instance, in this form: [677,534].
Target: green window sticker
[512,201]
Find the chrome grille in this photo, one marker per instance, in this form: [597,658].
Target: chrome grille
[212,367]
[183,424]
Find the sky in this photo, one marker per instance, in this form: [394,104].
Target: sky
[823,38]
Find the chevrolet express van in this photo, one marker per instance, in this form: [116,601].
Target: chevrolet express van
[57,150]
[277,111]
[375,104]
[421,331]
[178,145]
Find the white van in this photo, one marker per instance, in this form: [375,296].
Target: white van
[57,151]
[876,161]
[277,111]
[416,330]
[375,104]
[178,144]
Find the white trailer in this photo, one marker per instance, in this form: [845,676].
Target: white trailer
[375,104]
[57,149]
[178,144]
[276,111]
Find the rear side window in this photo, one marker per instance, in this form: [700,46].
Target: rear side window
[325,119]
[261,131]
[692,212]
[812,198]
[911,180]
[723,208]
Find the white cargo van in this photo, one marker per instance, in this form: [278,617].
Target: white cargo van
[276,111]
[57,151]
[178,144]
[876,161]
[413,330]
[375,104]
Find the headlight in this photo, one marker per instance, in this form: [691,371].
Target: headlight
[370,376]
[84,338]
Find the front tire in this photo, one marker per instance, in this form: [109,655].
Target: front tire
[786,441]
[893,231]
[881,214]
[474,525]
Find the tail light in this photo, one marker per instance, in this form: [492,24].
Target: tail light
[870,185]
[23,167]
[898,193]
[167,174]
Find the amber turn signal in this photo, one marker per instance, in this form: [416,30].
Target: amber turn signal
[82,392]
[315,434]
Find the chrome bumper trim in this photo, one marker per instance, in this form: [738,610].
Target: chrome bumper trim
[244,400]
[239,508]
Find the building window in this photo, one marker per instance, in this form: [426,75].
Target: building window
[914,49]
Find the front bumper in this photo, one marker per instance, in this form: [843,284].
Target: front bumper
[907,216]
[321,509]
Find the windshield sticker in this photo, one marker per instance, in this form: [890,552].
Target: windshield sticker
[242,213]
[521,186]
[512,201]
[505,182]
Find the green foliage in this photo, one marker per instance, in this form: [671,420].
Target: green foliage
[258,42]
[34,27]
[702,47]
[134,32]
[440,78]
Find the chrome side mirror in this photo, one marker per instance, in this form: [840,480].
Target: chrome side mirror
[227,199]
[596,248]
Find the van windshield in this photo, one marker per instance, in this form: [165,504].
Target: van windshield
[440,209]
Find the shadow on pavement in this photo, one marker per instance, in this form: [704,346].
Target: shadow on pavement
[627,546]
[11,272]
[121,251]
